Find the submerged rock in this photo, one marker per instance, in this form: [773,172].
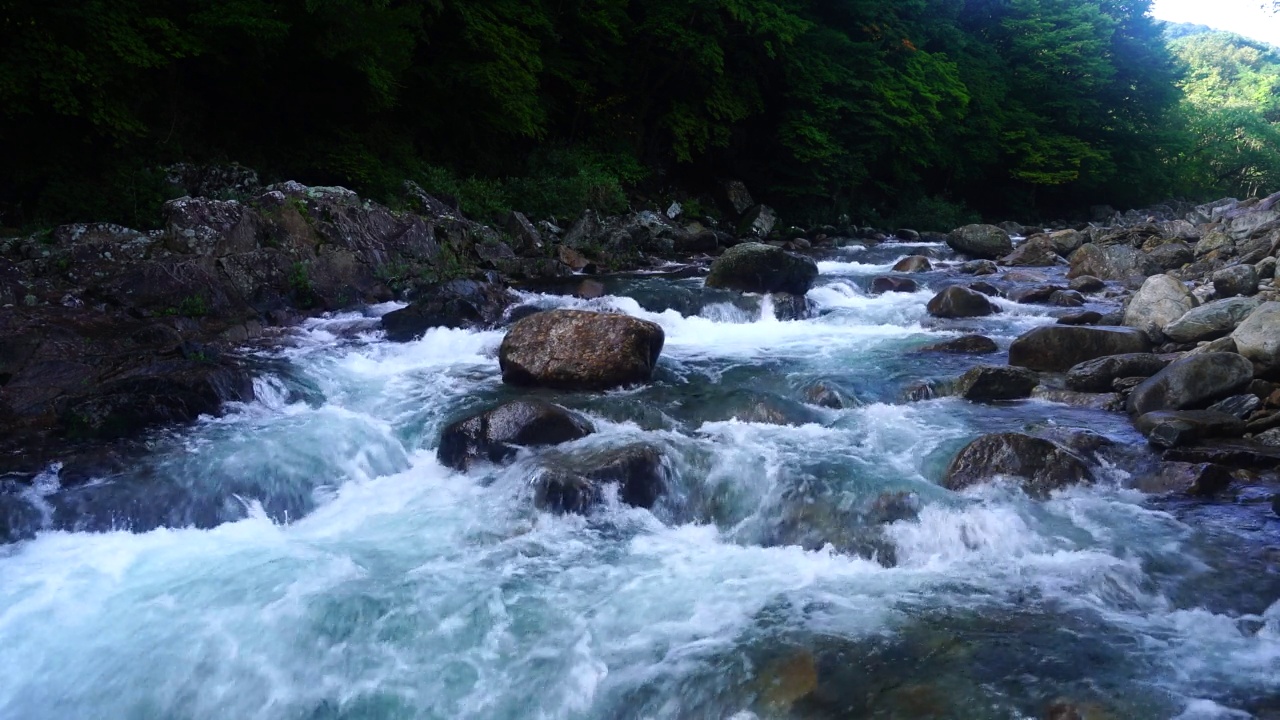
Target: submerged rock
[1056,348]
[575,485]
[759,268]
[577,350]
[959,302]
[829,395]
[1042,465]
[981,241]
[965,345]
[1192,382]
[454,304]
[495,435]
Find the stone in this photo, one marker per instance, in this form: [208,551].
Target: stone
[960,302]
[1192,382]
[1160,301]
[572,258]
[575,485]
[1057,348]
[907,235]
[1171,255]
[1214,242]
[758,222]
[578,350]
[965,345]
[1228,451]
[887,284]
[985,288]
[788,307]
[495,435]
[1100,374]
[1035,252]
[1042,465]
[1110,402]
[1067,298]
[979,267]
[980,241]
[1066,242]
[1241,406]
[760,268]
[1236,280]
[1111,262]
[829,395]
[1087,284]
[1087,317]
[989,383]
[1258,337]
[913,264]
[1266,268]
[525,236]
[735,191]
[1035,294]
[472,304]
[1176,428]
[1211,320]
[1198,479]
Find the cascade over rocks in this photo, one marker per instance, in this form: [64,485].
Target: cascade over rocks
[578,350]
[495,435]
[1057,348]
[1042,465]
[960,302]
[760,268]
[576,484]
[986,242]
[1192,382]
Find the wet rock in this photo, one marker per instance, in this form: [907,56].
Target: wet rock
[1035,294]
[453,304]
[1230,452]
[495,435]
[965,345]
[1193,382]
[1099,375]
[979,267]
[1161,301]
[1067,298]
[959,302]
[985,288]
[770,410]
[1042,465]
[1211,320]
[989,383]
[888,284]
[829,395]
[921,390]
[981,241]
[913,264]
[1025,277]
[1199,479]
[1258,337]
[575,485]
[1036,252]
[790,307]
[577,350]
[1241,406]
[1235,281]
[1057,348]
[1114,262]
[1088,317]
[759,268]
[1095,401]
[1066,242]
[1087,284]
[589,290]
[1175,428]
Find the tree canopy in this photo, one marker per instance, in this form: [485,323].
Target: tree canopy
[872,108]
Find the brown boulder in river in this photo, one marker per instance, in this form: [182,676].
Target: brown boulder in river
[578,350]
[1043,465]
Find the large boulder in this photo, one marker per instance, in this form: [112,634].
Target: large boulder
[1171,255]
[1160,301]
[1057,348]
[990,383]
[981,241]
[1211,320]
[577,484]
[960,302]
[453,304]
[1192,382]
[1038,251]
[1236,280]
[1258,337]
[577,350]
[1111,262]
[1098,375]
[495,435]
[1066,242]
[1042,465]
[760,268]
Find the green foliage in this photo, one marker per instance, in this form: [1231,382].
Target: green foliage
[192,306]
[300,286]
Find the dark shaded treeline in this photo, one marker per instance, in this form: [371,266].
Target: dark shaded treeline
[875,108]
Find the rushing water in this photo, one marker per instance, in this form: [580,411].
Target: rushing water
[306,557]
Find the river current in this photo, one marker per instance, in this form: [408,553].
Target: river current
[305,556]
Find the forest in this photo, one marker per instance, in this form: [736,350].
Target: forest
[923,111]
